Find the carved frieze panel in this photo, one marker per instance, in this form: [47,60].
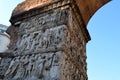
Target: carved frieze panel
[4,63]
[42,22]
[41,41]
[35,67]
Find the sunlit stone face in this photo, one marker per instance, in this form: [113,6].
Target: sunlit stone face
[30,4]
[36,3]
[4,42]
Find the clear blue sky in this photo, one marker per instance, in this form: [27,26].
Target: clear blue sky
[103,51]
[6,7]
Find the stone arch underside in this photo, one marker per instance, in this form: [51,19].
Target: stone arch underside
[48,40]
[89,7]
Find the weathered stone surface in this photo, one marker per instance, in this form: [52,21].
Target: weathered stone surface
[4,64]
[50,42]
[29,4]
[41,41]
[35,67]
[12,31]
[43,22]
[86,7]
[89,7]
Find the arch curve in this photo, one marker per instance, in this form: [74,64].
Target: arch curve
[89,7]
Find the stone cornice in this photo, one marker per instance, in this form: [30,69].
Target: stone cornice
[6,54]
[20,15]
[86,7]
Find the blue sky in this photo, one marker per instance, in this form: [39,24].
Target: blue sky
[103,51]
[6,7]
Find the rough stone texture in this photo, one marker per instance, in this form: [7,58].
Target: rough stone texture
[89,7]
[50,42]
[4,64]
[39,41]
[35,67]
[86,7]
[12,31]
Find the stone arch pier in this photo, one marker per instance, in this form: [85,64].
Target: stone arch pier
[48,40]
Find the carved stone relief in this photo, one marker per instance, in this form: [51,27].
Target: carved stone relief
[4,64]
[42,22]
[35,66]
[50,45]
[41,41]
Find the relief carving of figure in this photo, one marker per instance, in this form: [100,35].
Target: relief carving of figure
[21,70]
[49,61]
[30,66]
[56,60]
[12,68]
[21,44]
[35,70]
[54,71]
[40,66]
[44,42]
